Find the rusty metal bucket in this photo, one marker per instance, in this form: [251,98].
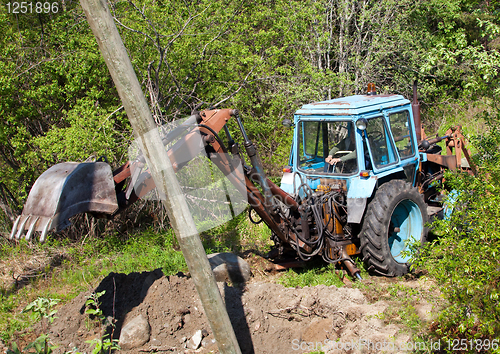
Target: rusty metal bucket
[62,191]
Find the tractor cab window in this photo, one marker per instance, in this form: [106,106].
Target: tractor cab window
[379,139]
[327,147]
[400,127]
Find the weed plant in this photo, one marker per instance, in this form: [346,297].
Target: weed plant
[464,259]
[238,235]
[311,275]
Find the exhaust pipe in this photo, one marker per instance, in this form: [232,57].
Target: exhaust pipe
[415,106]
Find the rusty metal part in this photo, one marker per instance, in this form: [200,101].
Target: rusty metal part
[121,173]
[283,196]
[349,264]
[338,230]
[216,119]
[256,201]
[304,224]
[455,146]
[64,190]
[415,106]
[438,139]
[328,184]
[351,249]
[258,168]
[448,161]
[456,143]
[286,265]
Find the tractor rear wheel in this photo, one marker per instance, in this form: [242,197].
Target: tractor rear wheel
[395,217]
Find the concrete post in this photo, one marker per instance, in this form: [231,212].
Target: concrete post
[139,114]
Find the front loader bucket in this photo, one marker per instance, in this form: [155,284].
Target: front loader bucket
[62,191]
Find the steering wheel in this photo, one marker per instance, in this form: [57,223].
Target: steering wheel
[338,154]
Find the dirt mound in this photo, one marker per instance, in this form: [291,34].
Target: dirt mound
[267,317]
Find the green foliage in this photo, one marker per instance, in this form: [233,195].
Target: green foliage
[403,310]
[231,236]
[90,132]
[150,250]
[43,307]
[52,78]
[104,345]
[311,276]
[39,346]
[457,44]
[464,260]
[92,307]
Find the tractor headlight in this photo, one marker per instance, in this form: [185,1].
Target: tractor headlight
[361,123]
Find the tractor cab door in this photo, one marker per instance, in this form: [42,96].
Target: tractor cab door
[381,147]
[405,142]
[401,131]
[390,141]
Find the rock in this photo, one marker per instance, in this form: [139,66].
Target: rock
[257,326]
[179,323]
[155,342]
[229,267]
[135,333]
[195,341]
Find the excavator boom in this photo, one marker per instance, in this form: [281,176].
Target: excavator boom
[71,188]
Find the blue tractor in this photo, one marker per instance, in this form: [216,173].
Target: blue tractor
[363,167]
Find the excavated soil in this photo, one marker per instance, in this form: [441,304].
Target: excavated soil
[267,317]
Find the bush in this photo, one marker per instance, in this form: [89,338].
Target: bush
[464,259]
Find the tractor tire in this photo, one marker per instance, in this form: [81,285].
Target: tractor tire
[396,214]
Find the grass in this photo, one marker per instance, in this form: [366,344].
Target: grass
[238,235]
[401,299]
[313,274]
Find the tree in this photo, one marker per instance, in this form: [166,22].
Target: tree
[56,96]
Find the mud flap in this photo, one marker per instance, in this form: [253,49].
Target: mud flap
[63,191]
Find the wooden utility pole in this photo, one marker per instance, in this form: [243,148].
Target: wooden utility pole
[128,87]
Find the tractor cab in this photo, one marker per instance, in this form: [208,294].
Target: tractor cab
[353,139]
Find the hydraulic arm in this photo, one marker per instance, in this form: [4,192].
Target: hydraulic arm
[93,188]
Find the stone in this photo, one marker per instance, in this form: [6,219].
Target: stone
[195,341]
[155,342]
[135,333]
[229,267]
